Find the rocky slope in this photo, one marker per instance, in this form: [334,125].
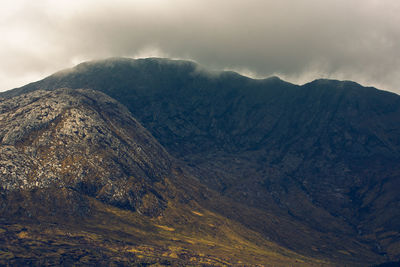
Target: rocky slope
[323,156]
[81,140]
[82,182]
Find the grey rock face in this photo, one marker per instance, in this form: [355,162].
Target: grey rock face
[84,140]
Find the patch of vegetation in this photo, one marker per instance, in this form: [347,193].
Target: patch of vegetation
[112,236]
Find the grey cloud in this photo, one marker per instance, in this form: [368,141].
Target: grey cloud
[297,40]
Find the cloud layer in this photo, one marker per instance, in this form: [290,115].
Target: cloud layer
[297,40]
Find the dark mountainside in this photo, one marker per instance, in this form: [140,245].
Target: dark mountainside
[83,183]
[315,167]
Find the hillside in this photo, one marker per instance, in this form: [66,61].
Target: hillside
[82,182]
[323,156]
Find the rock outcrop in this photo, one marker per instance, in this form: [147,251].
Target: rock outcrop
[84,141]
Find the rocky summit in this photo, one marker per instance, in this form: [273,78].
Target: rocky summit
[312,168]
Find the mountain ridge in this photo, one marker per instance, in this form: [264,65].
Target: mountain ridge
[125,60]
[323,154]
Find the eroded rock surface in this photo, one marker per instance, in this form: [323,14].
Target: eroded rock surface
[82,140]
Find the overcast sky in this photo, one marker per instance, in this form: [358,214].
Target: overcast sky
[298,40]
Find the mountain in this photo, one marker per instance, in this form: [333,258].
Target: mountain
[82,182]
[314,168]
[88,139]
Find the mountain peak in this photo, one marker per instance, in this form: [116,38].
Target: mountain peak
[322,156]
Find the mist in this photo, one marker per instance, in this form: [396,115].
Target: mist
[296,40]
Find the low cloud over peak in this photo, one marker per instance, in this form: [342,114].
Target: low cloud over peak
[296,40]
